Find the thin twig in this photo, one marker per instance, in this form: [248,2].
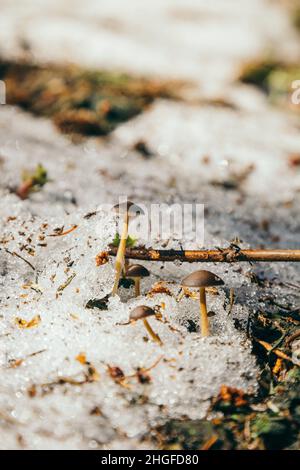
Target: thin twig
[8,419]
[14,253]
[226,255]
[210,442]
[293,337]
[147,369]
[276,351]
[231,300]
[61,233]
[63,286]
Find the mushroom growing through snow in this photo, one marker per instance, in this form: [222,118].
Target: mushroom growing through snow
[127,210]
[136,272]
[202,279]
[141,313]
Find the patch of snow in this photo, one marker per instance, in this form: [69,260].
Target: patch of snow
[187,370]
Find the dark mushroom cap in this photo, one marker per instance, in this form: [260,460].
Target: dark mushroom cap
[202,279]
[140,312]
[129,207]
[137,270]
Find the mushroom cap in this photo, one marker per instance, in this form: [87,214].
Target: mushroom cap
[129,208]
[137,270]
[202,278]
[140,312]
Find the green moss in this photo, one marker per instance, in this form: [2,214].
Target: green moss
[279,82]
[257,73]
[130,242]
[273,78]
[39,177]
[269,420]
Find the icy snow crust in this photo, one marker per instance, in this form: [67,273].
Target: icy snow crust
[56,390]
[189,369]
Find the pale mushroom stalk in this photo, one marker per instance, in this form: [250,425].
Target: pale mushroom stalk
[121,254]
[136,272]
[141,313]
[153,335]
[201,280]
[125,266]
[137,286]
[203,313]
[129,210]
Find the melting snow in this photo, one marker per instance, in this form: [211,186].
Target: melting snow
[50,399]
[187,370]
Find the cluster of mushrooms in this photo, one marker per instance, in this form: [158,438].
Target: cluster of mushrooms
[201,279]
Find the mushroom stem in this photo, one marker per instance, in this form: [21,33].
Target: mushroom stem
[153,335]
[121,254]
[137,286]
[203,313]
[126,265]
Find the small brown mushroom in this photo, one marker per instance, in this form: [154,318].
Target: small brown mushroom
[127,210]
[202,279]
[141,313]
[136,272]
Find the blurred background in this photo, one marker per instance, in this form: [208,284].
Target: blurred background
[154,98]
[191,39]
